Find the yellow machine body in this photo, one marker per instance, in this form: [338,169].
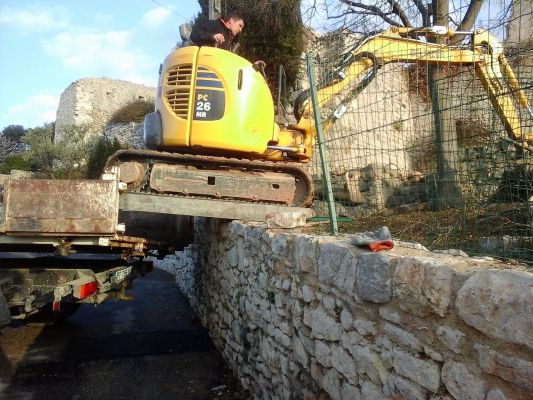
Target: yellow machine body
[213,99]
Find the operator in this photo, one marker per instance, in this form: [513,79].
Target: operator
[221,33]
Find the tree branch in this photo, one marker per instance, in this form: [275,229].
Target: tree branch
[471,14]
[468,20]
[373,10]
[397,9]
[421,7]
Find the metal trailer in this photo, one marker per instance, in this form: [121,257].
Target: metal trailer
[61,244]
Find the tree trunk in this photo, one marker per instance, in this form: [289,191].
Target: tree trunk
[448,193]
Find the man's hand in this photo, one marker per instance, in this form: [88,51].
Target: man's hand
[219,38]
[259,64]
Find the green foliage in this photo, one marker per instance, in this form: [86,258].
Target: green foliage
[102,149]
[271,297]
[132,112]
[41,151]
[14,132]
[15,161]
[59,159]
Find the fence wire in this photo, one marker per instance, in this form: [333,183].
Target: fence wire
[427,153]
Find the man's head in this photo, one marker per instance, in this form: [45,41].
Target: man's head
[234,22]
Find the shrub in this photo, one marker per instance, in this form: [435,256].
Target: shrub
[132,112]
[15,161]
[99,154]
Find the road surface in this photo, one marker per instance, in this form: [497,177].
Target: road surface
[149,348]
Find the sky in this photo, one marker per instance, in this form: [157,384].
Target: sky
[47,45]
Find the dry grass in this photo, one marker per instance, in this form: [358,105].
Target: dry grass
[451,228]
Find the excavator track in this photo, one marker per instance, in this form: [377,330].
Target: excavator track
[231,179]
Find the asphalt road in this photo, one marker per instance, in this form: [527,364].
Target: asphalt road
[148,348]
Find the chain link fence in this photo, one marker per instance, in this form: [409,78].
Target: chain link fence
[431,143]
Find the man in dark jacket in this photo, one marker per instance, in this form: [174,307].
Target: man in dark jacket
[221,33]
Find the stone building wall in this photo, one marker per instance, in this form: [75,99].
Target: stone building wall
[93,101]
[520,24]
[299,316]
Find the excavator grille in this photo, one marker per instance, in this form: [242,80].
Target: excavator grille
[180,75]
[178,100]
[179,78]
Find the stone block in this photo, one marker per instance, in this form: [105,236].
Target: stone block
[369,363]
[324,326]
[300,353]
[282,339]
[323,353]
[454,339]
[374,278]
[496,394]
[509,368]
[346,319]
[461,383]
[499,304]
[424,372]
[317,373]
[349,392]
[433,354]
[286,220]
[332,384]
[308,293]
[305,254]
[329,302]
[401,336]
[390,314]
[279,244]
[337,265]
[371,391]
[364,327]
[344,363]
[233,258]
[423,286]
[398,387]
[349,339]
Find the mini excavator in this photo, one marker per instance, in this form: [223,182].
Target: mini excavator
[213,132]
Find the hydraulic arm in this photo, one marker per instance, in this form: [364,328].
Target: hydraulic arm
[397,46]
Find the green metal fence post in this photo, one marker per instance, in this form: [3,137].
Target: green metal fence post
[321,145]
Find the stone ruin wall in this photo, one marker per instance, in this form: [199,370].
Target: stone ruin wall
[93,101]
[520,31]
[300,316]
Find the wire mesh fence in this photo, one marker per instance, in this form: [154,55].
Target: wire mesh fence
[428,137]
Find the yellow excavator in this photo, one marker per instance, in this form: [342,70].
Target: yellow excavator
[213,132]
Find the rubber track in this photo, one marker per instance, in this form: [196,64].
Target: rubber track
[305,197]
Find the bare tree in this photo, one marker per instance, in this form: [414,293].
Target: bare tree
[7,147]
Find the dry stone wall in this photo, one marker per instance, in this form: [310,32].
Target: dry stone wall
[300,316]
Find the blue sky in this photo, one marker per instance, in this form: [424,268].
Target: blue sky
[47,45]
